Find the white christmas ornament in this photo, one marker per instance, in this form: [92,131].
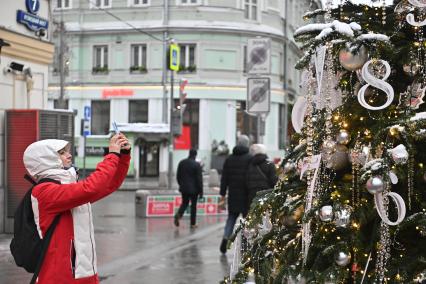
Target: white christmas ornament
[399,154]
[418,3]
[400,207]
[410,17]
[298,114]
[377,83]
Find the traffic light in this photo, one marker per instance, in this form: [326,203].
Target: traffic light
[182,95]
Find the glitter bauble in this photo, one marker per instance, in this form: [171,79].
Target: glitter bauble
[343,137]
[353,61]
[375,185]
[326,213]
[342,217]
[411,69]
[342,258]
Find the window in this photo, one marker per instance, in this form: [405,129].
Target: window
[100,117]
[138,111]
[187,58]
[250,9]
[63,4]
[56,104]
[138,58]
[100,59]
[191,119]
[100,3]
[189,2]
[139,2]
[246,124]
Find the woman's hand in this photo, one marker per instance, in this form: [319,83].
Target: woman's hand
[118,142]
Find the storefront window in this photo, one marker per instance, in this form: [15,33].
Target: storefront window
[138,111]
[100,117]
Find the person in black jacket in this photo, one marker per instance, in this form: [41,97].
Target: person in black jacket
[190,180]
[261,173]
[233,180]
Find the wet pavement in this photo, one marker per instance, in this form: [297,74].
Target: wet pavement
[135,250]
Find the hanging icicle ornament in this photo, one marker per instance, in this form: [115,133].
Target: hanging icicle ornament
[377,83]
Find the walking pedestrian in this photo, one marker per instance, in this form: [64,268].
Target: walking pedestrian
[190,179]
[233,181]
[261,173]
[71,256]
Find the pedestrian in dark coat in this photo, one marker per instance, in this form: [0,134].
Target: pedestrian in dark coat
[233,181]
[261,173]
[190,179]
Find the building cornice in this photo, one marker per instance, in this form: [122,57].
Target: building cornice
[27,48]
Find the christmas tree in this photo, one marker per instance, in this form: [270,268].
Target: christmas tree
[350,206]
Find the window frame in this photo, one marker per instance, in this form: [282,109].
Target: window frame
[141,59]
[250,4]
[179,3]
[147,110]
[102,65]
[62,6]
[186,64]
[131,3]
[102,6]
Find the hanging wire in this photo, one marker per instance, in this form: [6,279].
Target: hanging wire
[123,21]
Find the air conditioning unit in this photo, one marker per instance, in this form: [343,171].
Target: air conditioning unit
[23,127]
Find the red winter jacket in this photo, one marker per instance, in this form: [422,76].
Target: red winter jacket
[71,256]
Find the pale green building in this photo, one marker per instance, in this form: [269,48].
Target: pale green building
[113,56]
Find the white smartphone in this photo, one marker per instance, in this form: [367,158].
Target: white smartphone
[114,126]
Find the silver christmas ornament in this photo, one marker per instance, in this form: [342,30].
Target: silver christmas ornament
[399,154]
[353,61]
[339,160]
[375,185]
[343,137]
[411,69]
[342,217]
[326,213]
[342,258]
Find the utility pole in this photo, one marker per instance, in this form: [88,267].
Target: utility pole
[61,101]
[171,134]
[165,63]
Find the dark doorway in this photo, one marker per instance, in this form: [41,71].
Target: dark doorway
[149,165]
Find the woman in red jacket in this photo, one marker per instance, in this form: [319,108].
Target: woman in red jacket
[71,255]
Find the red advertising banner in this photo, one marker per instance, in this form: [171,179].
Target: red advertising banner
[168,205]
[183,142]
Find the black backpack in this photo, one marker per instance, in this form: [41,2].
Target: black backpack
[27,248]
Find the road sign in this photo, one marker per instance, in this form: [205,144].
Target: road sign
[258,95]
[174,57]
[86,128]
[87,113]
[259,56]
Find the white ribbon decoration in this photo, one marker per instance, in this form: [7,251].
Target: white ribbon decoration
[400,206]
[418,3]
[298,114]
[410,17]
[377,83]
[412,21]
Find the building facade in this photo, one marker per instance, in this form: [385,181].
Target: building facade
[25,54]
[113,58]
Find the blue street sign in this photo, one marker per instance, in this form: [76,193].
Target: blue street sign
[87,113]
[86,128]
[33,22]
[32,6]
